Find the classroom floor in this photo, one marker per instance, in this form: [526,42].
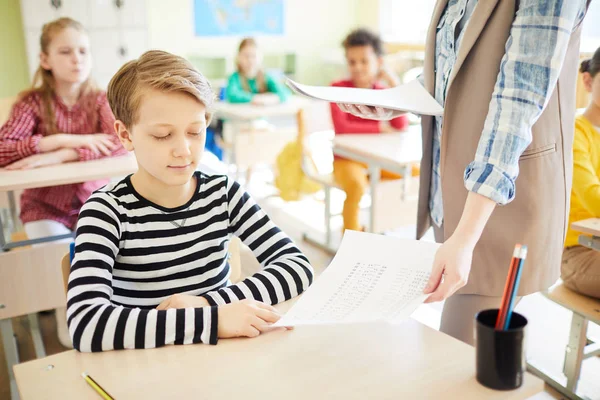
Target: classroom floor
[546,337]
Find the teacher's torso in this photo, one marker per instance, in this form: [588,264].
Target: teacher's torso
[465,78]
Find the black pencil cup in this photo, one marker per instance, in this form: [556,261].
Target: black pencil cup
[500,354]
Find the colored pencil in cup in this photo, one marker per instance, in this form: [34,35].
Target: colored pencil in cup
[515,288]
[501,319]
[103,393]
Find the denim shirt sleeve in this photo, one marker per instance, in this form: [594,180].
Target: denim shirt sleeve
[529,70]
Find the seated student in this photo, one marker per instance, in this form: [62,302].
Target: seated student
[580,269]
[150,264]
[250,84]
[364,56]
[62,118]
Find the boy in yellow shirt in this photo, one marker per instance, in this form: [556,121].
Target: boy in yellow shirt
[581,266]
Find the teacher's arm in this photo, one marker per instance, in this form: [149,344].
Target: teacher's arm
[528,75]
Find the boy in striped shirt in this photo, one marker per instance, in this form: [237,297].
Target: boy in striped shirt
[150,263]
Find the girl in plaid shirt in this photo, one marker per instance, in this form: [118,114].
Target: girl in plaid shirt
[62,118]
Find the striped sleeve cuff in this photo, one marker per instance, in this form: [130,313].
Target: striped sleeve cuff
[207,325]
[489,181]
[29,147]
[214,299]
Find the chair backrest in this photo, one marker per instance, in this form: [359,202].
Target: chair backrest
[30,280]
[317,158]
[65,266]
[235,263]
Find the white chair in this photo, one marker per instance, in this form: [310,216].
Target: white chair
[317,164]
[30,281]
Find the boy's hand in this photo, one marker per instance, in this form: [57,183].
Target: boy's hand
[183,301]
[246,318]
[44,159]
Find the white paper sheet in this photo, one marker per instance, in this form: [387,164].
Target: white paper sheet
[410,97]
[372,277]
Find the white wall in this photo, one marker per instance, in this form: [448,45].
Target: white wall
[313,28]
[590,36]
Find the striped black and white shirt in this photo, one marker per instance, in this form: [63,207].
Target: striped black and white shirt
[132,254]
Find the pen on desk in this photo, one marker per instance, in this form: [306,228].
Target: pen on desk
[103,393]
[515,288]
[501,319]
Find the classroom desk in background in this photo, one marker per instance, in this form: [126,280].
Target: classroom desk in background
[588,227]
[395,152]
[55,175]
[363,361]
[240,114]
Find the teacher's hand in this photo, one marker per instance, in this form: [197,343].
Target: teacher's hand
[370,112]
[451,269]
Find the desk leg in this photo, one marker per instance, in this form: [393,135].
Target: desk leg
[12,203]
[591,242]
[10,353]
[2,238]
[36,335]
[407,176]
[374,176]
[12,223]
[574,351]
[231,156]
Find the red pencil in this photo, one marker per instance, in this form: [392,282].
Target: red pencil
[510,281]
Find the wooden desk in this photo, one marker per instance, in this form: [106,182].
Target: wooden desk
[588,227]
[249,112]
[366,361]
[64,174]
[395,152]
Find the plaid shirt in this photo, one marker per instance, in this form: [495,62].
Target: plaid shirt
[19,138]
[528,74]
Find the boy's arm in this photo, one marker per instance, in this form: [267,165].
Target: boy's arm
[96,322]
[286,271]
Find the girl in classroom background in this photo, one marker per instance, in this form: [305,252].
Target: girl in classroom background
[62,118]
[250,83]
[580,269]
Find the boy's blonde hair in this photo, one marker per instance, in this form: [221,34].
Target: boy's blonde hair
[158,70]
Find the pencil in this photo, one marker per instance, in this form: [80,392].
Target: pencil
[103,393]
[508,288]
[515,289]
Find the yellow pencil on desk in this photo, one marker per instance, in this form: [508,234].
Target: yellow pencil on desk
[96,387]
